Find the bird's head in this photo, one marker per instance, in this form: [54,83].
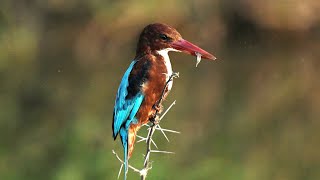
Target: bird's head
[156,37]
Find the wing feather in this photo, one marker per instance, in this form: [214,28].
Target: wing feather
[125,109]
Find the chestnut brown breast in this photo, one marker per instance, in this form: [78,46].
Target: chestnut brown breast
[153,85]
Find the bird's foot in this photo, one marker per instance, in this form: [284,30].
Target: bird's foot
[154,119]
[175,75]
[158,107]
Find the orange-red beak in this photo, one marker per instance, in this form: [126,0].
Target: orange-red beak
[189,48]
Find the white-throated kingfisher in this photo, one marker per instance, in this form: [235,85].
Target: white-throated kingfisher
[143,82]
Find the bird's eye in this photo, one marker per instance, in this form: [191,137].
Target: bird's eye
[164,37]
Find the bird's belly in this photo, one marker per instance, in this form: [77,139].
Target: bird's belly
[153,91]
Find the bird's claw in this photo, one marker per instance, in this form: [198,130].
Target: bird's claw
[154,119]
[158,107]
[175,75]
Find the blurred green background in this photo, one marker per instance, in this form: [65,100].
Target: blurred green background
[251,115]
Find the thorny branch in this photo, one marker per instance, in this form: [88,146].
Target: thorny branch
[154,125]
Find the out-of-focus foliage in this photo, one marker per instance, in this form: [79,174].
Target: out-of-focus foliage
[252,114]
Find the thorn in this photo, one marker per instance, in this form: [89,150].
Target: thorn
[168,130]
[165,152]
[120,170]
[141,139]
[131,167]
[164,134]
[167,110]
[154,143]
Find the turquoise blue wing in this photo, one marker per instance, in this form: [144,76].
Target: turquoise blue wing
[125,108]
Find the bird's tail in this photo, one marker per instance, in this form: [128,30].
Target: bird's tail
[124,140]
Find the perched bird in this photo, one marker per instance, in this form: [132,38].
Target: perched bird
[143,82]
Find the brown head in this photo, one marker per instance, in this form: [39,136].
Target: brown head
[156,37]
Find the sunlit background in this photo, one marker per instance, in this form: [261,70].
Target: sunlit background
[251,115]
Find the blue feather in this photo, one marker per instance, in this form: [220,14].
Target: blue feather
[124,112]
[124,140]
[122,106]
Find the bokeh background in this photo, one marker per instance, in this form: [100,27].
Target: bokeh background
[251,115]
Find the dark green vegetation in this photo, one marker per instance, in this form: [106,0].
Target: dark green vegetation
[251,115]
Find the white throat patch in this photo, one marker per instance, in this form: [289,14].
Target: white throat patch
[164,54]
